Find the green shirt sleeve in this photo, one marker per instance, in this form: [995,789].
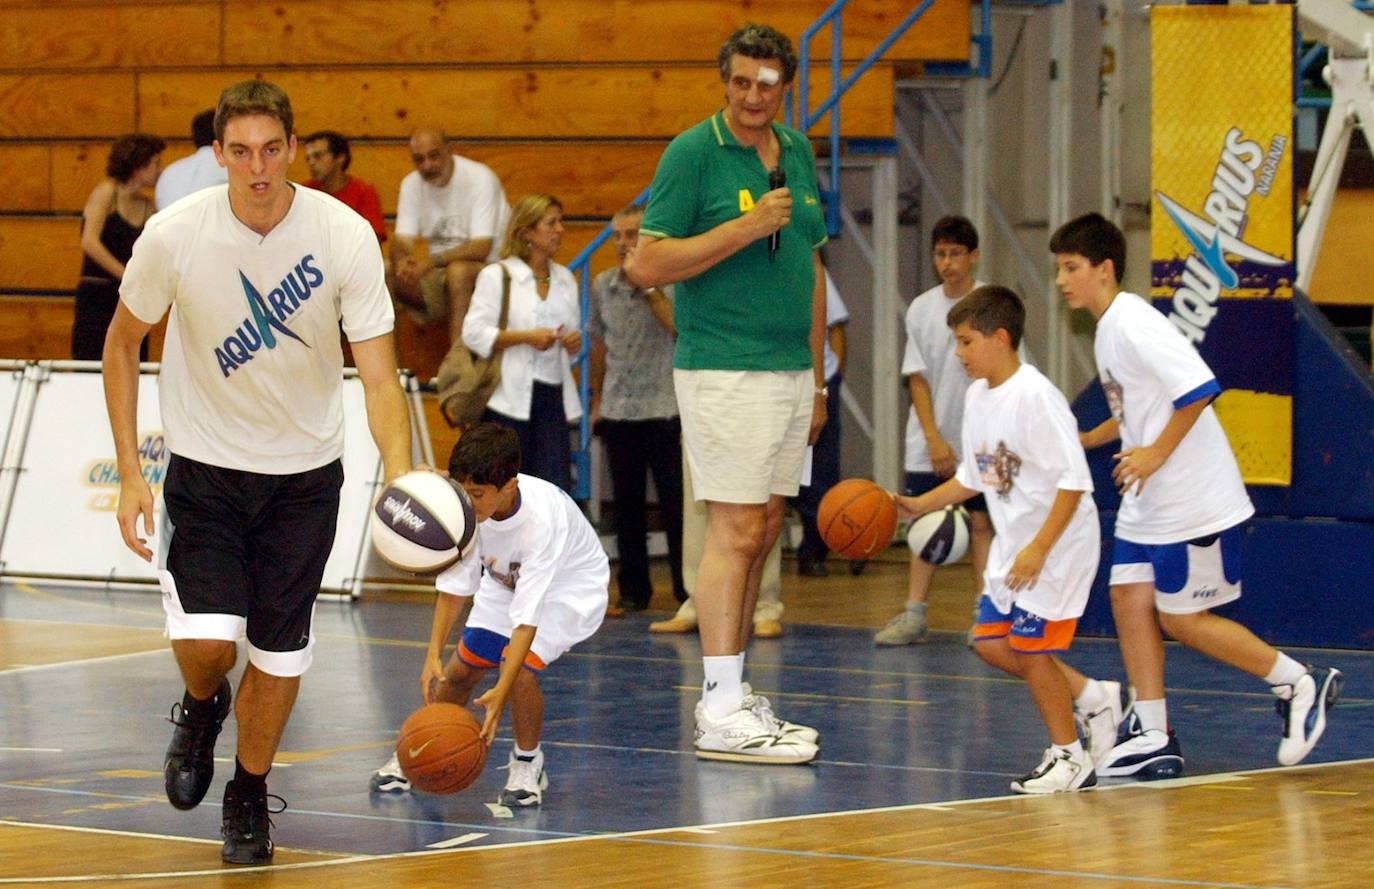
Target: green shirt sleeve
[675,193]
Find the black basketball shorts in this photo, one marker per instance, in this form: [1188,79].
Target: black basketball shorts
[243,553]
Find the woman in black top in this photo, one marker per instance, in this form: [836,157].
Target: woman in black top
[110,223]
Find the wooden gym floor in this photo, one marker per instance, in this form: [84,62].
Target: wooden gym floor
[918,745]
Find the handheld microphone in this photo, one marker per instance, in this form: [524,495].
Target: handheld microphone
[776,179]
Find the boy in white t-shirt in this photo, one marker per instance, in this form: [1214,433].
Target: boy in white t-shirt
[936,383]
[1183,505]
[1019,448]
[537,583]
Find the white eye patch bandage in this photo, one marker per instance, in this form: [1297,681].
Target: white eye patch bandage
[768,76]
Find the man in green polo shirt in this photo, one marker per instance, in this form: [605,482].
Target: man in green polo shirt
[750,318]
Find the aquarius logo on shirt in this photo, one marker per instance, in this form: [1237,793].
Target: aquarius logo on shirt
[999,468]
[267,317]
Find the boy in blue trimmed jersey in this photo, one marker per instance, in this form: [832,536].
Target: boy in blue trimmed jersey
[1183,507]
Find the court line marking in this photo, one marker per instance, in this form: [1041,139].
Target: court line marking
[649,837]
[456,841]
[82,662]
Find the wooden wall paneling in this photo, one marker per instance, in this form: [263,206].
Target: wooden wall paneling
[1339,276]
[39,253]
[33,327]
[34,106]
[495,102]
[268,32]
[591,178]
[78,166]
[25,178]
[119,36]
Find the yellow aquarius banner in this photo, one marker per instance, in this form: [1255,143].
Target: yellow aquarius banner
[1221,226]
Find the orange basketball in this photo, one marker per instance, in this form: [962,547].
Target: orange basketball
[440,748]
[857,518]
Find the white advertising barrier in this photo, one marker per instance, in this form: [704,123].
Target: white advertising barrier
[61,523]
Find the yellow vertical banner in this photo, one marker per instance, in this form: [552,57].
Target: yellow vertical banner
[1221,225]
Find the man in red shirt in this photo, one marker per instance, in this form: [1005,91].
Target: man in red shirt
[328,156]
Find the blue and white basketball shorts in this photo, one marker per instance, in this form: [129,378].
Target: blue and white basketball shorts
[243,555]
[1188,577]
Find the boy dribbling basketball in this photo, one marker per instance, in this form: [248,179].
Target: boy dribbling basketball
[1019,448]
[537,583]
[1177,553]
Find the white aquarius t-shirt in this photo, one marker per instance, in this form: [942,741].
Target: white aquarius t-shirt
[252,367]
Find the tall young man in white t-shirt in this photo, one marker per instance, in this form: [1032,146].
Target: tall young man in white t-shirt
[936,383]
[1019,449]
[459,207]
[258,276]
[1183,507]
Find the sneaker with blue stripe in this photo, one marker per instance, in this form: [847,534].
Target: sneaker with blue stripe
[1303,706]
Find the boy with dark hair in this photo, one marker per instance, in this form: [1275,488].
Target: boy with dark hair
[537,584]
[936,385]
[1020,448]
[1183,506]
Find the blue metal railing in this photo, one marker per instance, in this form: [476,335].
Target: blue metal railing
[807,118]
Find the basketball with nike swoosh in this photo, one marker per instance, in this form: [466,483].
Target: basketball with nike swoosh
[857,518]
[440,748]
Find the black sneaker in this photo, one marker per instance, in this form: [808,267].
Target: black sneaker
[190,764]
[247,829]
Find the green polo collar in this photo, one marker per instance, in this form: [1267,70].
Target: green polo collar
[726,138]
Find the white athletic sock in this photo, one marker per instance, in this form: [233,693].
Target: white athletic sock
[526,755]
[721,692]
[917,609]
[740,657]
[1094,696]
[1285,671]
[1076,748]
[1154,716]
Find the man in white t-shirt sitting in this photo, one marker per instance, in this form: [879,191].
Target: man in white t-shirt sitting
[459,207]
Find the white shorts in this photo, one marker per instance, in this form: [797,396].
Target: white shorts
[744,432]
[560,626]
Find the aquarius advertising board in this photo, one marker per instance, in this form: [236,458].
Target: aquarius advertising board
[1221,226]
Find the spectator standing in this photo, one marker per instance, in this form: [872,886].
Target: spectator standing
[192,173]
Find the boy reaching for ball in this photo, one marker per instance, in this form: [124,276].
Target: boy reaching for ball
[1019,448]
[537,585]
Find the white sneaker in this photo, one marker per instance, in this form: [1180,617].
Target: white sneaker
[1147,755]
[1059,772]
[1099,726]
[743,736]
[526,782]
[904,629]
[781,727]
[389,778]
[1303,708]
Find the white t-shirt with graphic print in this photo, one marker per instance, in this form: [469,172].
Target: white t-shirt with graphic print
[1145,365]
[252,366]
[543,567]
[1019,449]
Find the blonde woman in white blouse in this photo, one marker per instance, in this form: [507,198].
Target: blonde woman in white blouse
[537,396]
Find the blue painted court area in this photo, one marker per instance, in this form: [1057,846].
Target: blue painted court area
[81,743]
